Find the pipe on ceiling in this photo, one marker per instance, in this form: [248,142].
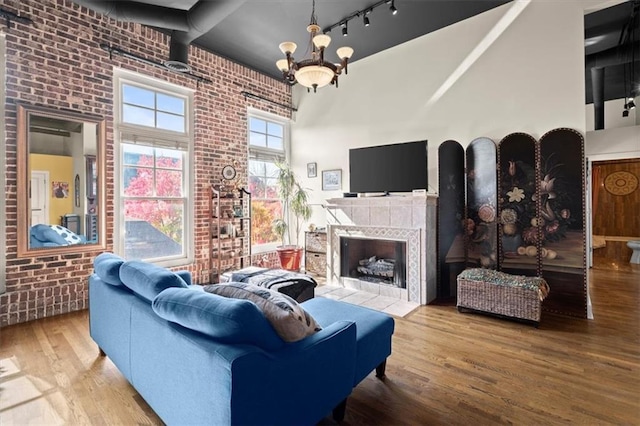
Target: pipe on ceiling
[185,26]
[142,13]
[201,18]
[597,80]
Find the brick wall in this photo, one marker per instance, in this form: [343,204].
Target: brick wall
[57,62]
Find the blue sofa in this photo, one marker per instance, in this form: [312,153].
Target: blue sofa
[199,358]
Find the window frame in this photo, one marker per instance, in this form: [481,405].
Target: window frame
[154,137]
[267,154]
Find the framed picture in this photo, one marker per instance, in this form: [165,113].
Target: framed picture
[312,170]
[331,180]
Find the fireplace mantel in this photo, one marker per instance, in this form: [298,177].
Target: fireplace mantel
[406,218]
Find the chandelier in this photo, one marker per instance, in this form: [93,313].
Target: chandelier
[313,72]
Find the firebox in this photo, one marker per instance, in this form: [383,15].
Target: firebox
[377,261]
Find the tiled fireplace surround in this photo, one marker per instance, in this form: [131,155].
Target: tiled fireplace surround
[411,219]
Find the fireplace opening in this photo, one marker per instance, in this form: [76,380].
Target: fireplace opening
[377,261]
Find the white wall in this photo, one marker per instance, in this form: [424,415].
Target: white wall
[613,144]
[528,77]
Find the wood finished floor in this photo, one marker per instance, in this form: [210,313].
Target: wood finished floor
[446,368]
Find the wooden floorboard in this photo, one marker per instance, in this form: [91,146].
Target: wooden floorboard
[447,368]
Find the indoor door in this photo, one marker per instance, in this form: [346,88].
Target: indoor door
[39,197]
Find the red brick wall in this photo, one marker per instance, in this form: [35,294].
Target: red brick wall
[57,62]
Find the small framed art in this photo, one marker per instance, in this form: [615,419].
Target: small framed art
[331,180]
[312,170]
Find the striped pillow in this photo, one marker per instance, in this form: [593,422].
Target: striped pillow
[288,318]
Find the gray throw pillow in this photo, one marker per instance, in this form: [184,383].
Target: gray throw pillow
[288,318]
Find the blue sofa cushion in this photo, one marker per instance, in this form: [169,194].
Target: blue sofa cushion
[288,318]
[226,320]
[148,280]
[107,267]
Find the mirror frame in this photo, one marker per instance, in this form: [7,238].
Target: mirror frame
[22,170]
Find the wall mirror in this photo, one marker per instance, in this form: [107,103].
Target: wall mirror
[60,181]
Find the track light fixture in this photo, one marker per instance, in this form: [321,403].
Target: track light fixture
[631,104]
[392,8]
[345,30]
[365,16]
[625,113]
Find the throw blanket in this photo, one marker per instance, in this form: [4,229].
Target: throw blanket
[275,279]
[501,278]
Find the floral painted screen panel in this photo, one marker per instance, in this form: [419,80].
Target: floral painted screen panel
[562,201]
[481,225]
[519,220]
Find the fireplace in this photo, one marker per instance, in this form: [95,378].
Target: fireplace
[387,228]
[373,260]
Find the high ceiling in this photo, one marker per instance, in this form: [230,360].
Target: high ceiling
[249,32]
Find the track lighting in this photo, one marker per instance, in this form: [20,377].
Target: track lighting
[365,16]
[631,104]
[392,8]
[625,113]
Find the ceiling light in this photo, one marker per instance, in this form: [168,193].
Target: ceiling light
[631,104]
[345,31]
[314,72]
[392,8]
[365,19]
[625,113]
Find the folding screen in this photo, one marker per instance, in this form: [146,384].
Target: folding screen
[524,213]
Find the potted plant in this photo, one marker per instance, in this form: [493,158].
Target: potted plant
[295,211]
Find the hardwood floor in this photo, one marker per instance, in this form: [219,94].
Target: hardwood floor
[446,368]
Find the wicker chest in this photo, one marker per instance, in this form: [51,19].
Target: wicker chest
[502,294]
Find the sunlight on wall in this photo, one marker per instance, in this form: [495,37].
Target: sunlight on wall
[509,17]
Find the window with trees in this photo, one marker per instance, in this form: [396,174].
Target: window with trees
[153,128]
[267,137]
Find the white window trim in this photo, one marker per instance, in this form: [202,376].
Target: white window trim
[121,76]
[286,123]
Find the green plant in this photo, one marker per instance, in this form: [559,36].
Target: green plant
[295,205]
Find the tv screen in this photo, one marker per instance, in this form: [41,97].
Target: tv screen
[389,168]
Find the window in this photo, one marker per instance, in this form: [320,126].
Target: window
[267,136]
[154,153]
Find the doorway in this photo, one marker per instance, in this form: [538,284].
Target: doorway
[615,207]
[39,197]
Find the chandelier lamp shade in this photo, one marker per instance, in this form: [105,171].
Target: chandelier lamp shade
[313,72]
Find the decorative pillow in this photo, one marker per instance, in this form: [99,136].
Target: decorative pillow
[148,280]
[290,320]
[69,236]
[226,320]
[45,233]
[107,267]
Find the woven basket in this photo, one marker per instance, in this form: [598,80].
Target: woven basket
[501,299]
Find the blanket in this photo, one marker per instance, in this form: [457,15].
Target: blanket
[293,284]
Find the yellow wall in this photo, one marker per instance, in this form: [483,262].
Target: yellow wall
[60,169]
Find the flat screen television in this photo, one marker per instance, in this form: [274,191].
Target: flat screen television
[388,168]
